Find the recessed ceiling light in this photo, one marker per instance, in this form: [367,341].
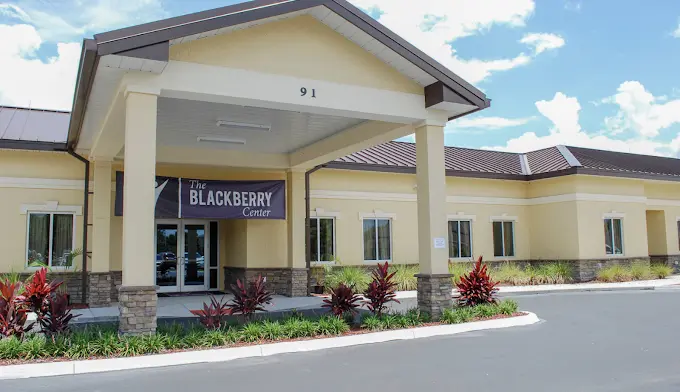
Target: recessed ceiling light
[216,139]
[243,126]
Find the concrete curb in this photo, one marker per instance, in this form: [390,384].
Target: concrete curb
[228,354]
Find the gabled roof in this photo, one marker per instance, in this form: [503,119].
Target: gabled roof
[400,157]
[33,129]
[151,42]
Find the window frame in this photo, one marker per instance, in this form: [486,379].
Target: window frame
[623,240]
[514,243]
[363,244]
[50,237]
[318,239]
[459,257]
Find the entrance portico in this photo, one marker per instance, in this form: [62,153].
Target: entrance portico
[261,91]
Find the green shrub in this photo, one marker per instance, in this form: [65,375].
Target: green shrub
[640,271]
[371,322]
[458,269]
[354,277]
[396,320]
[614,273]
[459,315]
[404,276]
[554,273]
[660,271]
[511,274]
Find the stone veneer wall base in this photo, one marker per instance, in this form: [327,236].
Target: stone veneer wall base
[291,282]
[137,306]
[434,294]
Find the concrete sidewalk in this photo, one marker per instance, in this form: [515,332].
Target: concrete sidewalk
[179,307]
[574,287]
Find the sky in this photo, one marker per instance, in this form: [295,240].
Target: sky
[591,73]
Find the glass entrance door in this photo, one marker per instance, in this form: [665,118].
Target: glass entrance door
[181,255]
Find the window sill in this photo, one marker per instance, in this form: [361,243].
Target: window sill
[461,259]
[615,256]
[322,263]
[51,269]
[377,261]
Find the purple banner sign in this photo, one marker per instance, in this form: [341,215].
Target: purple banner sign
[233,199]
[214,199]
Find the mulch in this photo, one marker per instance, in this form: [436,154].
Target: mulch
[353,331]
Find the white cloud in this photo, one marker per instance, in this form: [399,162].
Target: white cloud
[542,41]
[48,83]
[56,22]
[435,24]
[563,112]
[676,32]
[26,80]
[487,123]
[641,111]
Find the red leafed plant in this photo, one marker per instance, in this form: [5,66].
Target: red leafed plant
[248,300]
[212,315]
[37,292]
[476,287]
[343,300]
[13,313]
[381,290]
[57,317]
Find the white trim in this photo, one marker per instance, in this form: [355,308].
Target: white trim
[448,229]
[50,206]
[412,197]
[318,239]
[377,214]
[503,218]
[40,183]
[613,215]
[50,238]
[377,244]
[461,216]
[514,243]
[524,163]
[568,156]
[321,213]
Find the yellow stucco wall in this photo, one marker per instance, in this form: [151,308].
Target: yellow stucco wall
[547,230]
[301,47]
[25,166]
[553,231]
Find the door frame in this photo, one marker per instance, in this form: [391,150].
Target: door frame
[180,287]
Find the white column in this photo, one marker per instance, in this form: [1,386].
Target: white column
[101,216]
[139,191]
[431,180]
[295,184]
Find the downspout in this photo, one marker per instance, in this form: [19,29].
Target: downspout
[308,229]
[86,199]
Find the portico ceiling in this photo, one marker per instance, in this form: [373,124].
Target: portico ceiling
[182,122]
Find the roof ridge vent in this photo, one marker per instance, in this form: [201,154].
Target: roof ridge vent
[568,156]
[524,163]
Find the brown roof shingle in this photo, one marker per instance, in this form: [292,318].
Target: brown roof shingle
[552,161]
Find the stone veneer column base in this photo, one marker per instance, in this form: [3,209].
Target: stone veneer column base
[99,290]
[137,306]
[434,294]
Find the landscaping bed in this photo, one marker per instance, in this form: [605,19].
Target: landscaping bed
[633,272]
[96,342]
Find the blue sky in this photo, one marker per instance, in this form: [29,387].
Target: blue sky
[593,73]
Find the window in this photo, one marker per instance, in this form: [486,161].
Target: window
[50,239]
[504,239]
[460,239]
[613,236]
[377,239]
[322,237]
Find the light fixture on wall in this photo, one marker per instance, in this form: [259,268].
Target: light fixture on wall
[217,139]
[243,126]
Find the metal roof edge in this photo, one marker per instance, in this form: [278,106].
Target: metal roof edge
[524,163]
[11,144]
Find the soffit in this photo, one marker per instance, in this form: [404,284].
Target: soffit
[182,122]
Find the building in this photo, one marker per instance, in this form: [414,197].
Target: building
[237,114]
